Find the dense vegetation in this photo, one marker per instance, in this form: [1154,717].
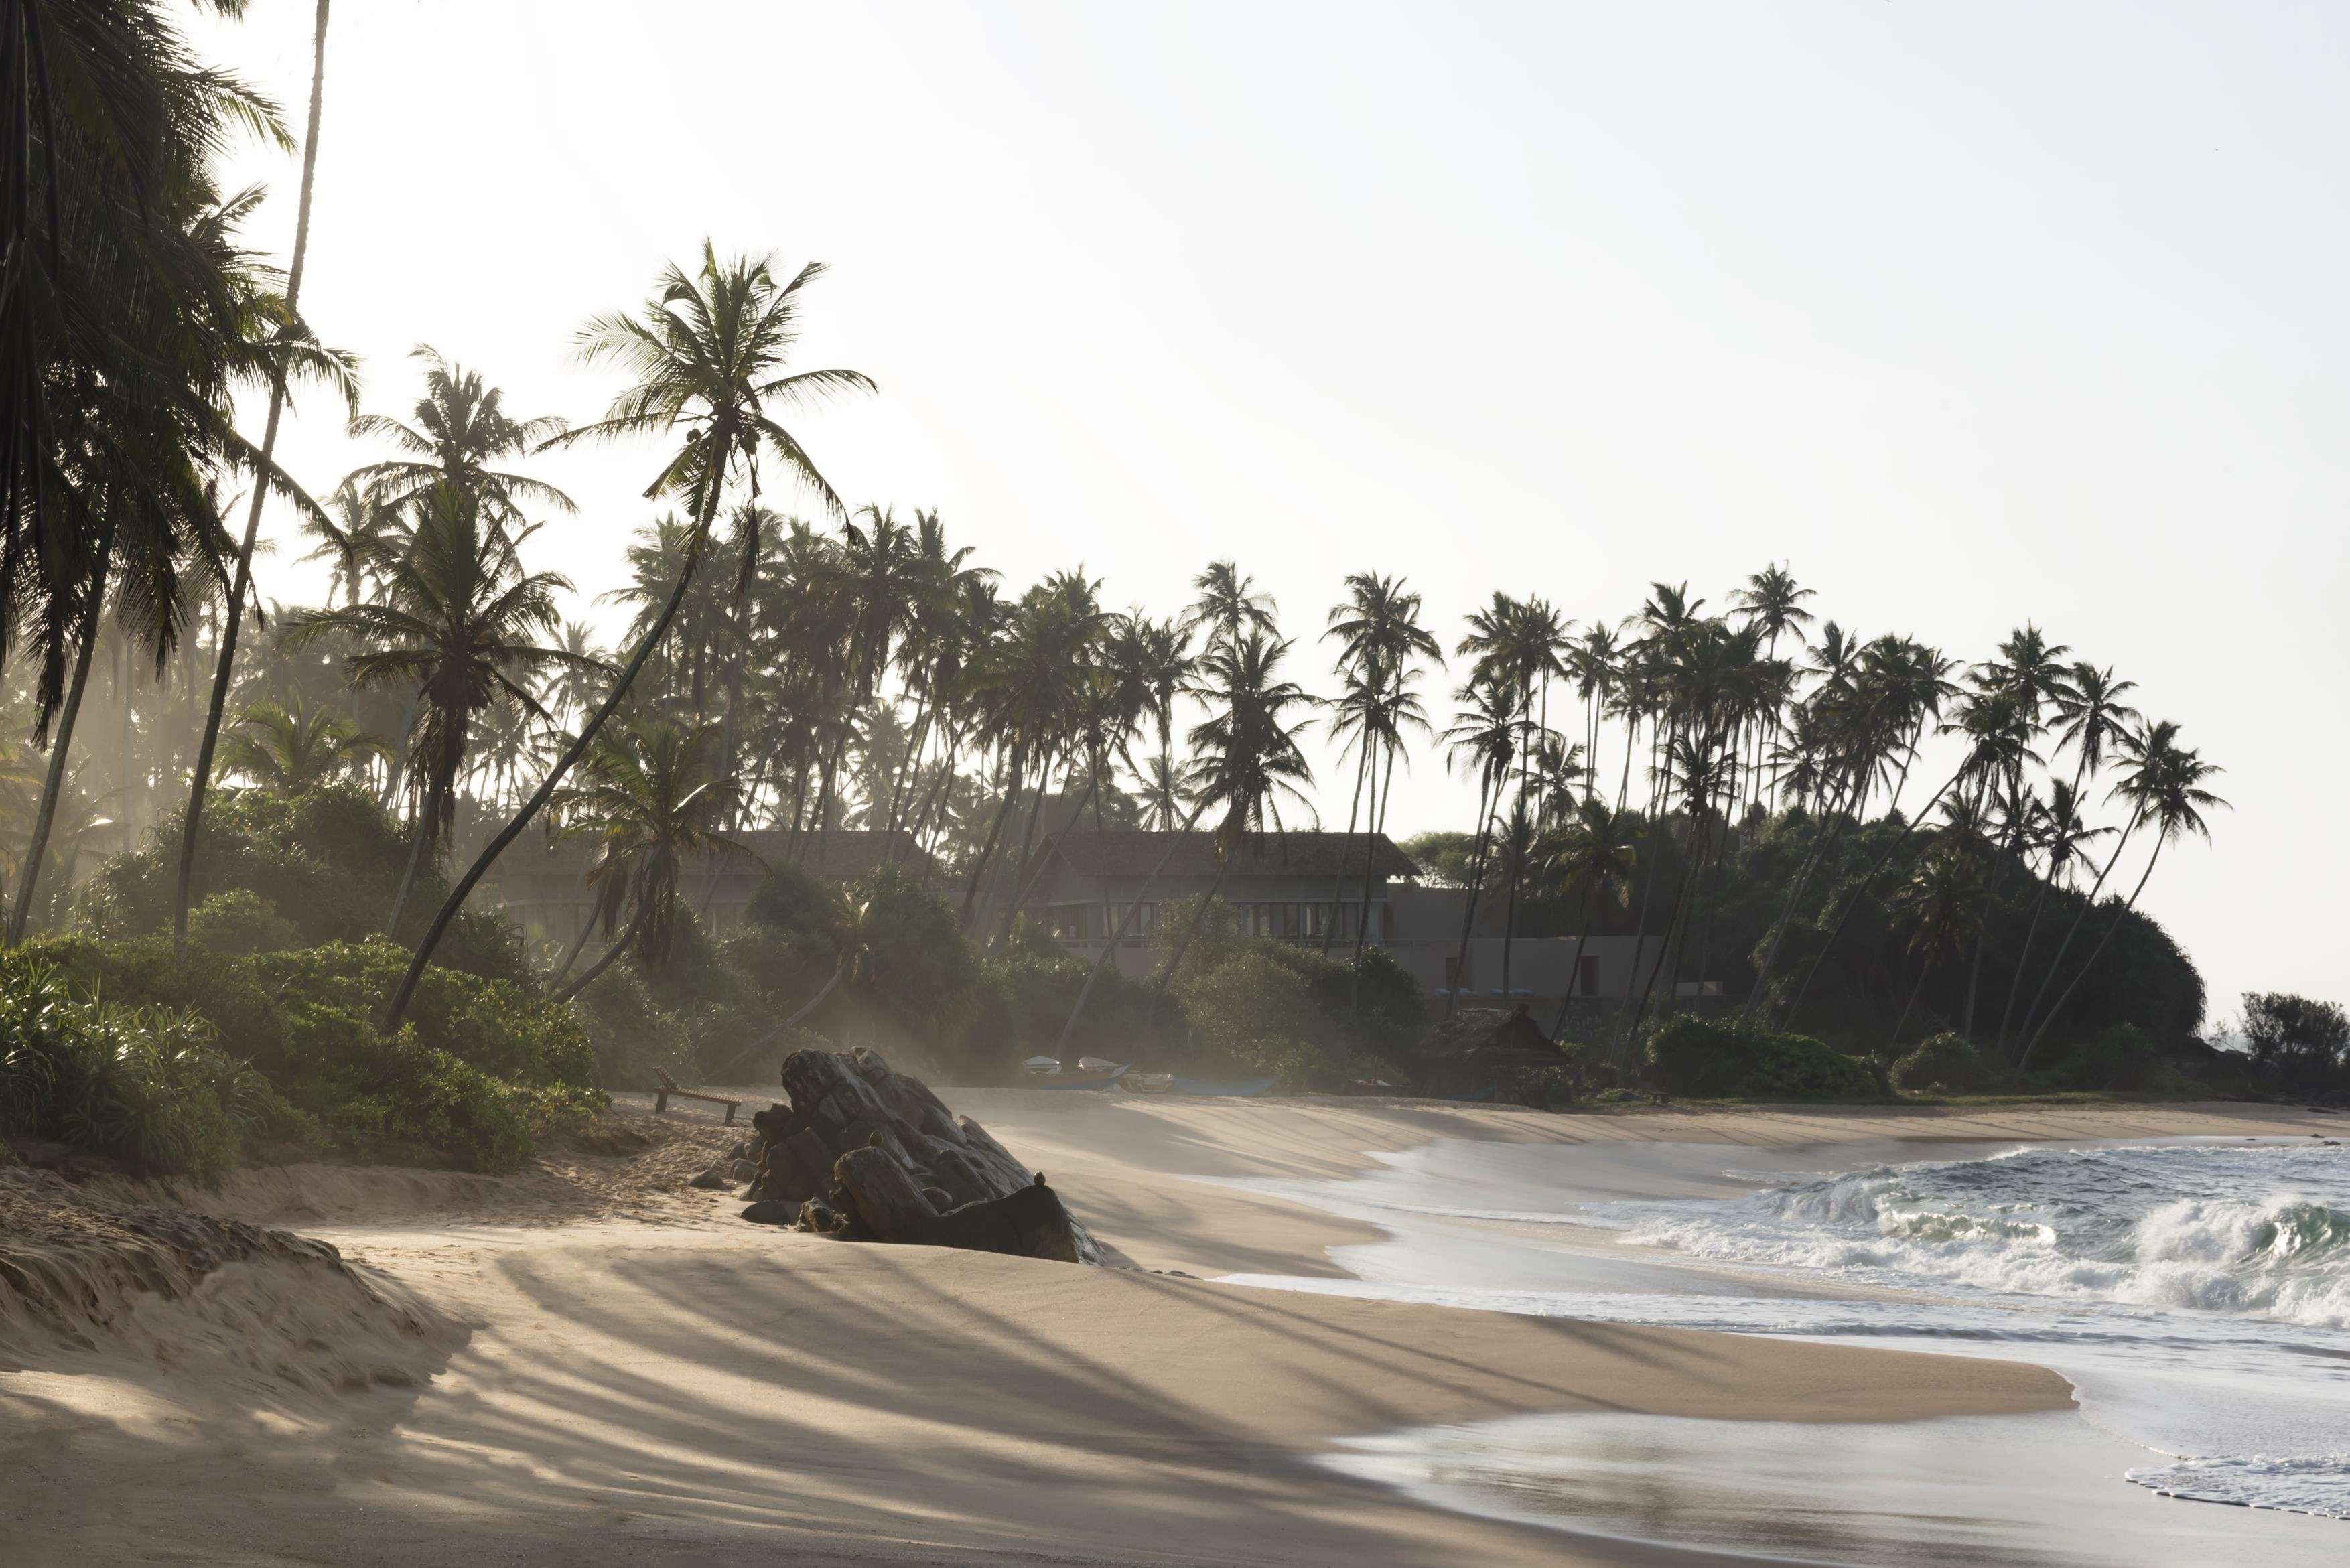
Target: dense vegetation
[295,804]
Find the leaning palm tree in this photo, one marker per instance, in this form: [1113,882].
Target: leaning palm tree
[705,355]
[225,666]
[2163,783]
[289,747]
[653,795]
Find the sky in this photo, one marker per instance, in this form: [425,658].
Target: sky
[1972,316]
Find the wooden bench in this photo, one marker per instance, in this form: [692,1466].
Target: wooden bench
[669,1090]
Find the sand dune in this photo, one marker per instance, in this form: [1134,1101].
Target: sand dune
[649,1393]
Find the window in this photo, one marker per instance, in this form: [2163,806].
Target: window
[1066,923]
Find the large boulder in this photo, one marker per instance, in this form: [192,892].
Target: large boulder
[864,1152]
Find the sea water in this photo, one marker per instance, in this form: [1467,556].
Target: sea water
[2197,1293]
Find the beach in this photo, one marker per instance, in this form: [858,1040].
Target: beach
[615,1368]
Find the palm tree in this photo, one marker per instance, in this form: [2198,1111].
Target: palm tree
[1380,640]
[2163,783]
[705,354]
[462,624]
[1594,847]
[461,427]
[1483,736]
[2060,835]
[1229,606]
[1933,905]
[1246,756]
[289,747]
[653,794]
[352,534]
[232,614]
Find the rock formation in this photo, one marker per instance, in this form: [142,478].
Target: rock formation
[865,1153]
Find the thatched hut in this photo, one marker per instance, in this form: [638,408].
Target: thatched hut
[1482,1052]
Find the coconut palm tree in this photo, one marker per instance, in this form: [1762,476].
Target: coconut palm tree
[460,623]
[461,427]
[705,355]
[1245,757]
[289,747]
[1229,606]
[1483,737]
[1594,847]
[1381,641]
[2163,784]
[351,533]
[652,795]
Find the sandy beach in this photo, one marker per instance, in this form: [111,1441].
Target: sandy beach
[613,1368]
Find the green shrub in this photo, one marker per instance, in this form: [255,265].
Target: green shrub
[238,924]
[1945,1065]
[1697,1059]
[330,861]
[630,1036]
[2119,1056]
[145,1085]
[477,1060]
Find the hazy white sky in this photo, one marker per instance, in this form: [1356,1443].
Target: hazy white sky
[1973,313]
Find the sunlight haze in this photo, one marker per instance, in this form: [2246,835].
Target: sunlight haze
[1973,316]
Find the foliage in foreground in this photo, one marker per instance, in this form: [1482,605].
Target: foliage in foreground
[481,1065]
[147,1086]
[1697,1059]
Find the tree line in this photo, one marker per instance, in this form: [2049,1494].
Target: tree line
[856,670]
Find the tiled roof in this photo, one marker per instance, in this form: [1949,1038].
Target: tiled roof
[838,855]
[1135,854]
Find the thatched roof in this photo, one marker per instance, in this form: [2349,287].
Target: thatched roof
[1485,1032]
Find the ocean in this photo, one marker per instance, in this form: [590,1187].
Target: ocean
[2196,1293]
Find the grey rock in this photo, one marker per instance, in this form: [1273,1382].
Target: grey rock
[772,1211]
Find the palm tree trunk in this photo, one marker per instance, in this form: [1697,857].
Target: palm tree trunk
[1381,793]
[578,747]
[1468,905]
[1019,771]
[1893,1042]
[588,977]
[2091,962]
[53,785]
[1126,923]
[434,797]
[1862,891]
[1166,975]
[200,777]
[2023,961]
[1574,961]
[2088,902]
[1031,877]
[1338,882]
[1672,921]
[129,679]
[578,944]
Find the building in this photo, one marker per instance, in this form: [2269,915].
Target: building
[543,888]
[1085,883]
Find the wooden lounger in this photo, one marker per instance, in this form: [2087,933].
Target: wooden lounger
[669,1090]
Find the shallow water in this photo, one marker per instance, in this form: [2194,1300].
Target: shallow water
[2196,1293]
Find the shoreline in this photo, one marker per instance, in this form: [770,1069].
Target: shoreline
[659,1379]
